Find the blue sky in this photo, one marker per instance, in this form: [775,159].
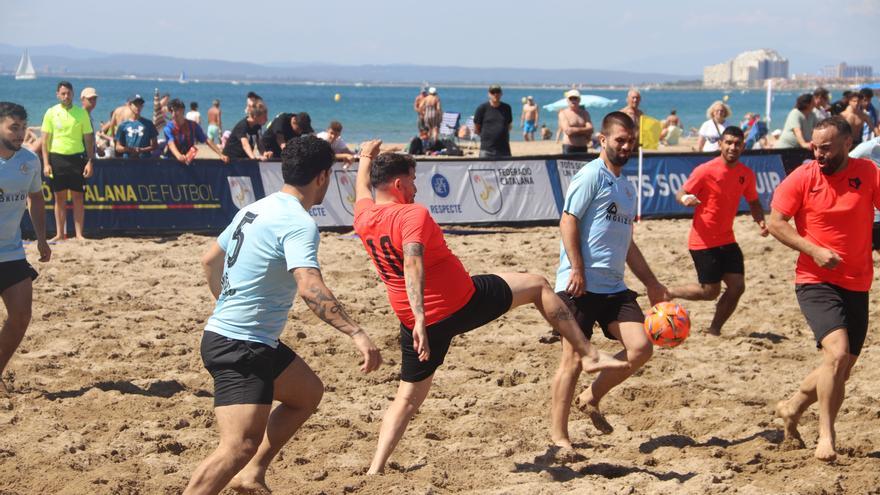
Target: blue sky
[677,37]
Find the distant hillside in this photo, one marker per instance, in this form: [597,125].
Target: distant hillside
[60,60]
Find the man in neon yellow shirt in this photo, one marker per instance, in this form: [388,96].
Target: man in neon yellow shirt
[68,148]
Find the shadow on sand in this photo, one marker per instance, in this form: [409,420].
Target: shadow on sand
[680,441]
[561,473]
[161,388]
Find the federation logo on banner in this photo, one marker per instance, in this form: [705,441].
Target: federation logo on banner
[242,190]
[345,186]
[486,189]
[440,185]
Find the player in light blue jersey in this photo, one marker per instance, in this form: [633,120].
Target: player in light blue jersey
[264,258]
[596,227]
[20,180]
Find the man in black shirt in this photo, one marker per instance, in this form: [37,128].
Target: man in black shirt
[244,140]
[283,128]
[492,121]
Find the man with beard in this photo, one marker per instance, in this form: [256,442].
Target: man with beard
[597,228]
[832,200]
[19,181]
[715,188]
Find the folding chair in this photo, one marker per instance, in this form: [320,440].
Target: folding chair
[449,125]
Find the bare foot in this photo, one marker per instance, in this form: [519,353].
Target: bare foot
[251,487]
[790,418]
[80,238]
[825,449]
[372,472]
[563,444]
[595,415]
[557,454]
[57,238]
[715,332]
[599,361]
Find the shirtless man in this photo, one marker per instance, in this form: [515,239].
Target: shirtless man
[120,114]
[417,107]
[215,122]
[575,125]
[633,99]
[856,117]
[432,113]
[529,120]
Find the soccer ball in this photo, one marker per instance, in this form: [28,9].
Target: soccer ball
[667,324]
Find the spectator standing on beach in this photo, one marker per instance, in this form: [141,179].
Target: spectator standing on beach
[432,112]
[119,115]
[575,123]
[798,129]
[136,137]
[870,128]
[160,118]
[20,183]
[284,127]
[417,107]
[333,135]
[68,148]
[710,132]
[821,104]
[182,136]
[633,100]
[193,113]
[529,119]
[672,129]
[244,141]
[492,122]
[89,99]
[855,116]
[215,122]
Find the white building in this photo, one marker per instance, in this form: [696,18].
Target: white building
[844,71]
[746,69]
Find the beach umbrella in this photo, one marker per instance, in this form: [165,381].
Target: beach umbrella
[588,101]
[872,86]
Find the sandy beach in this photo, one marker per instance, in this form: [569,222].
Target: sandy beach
[110,396]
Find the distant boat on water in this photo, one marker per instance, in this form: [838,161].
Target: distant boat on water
[25,70]
[182,79]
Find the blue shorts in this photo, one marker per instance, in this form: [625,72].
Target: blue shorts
[529,126]
[213,133]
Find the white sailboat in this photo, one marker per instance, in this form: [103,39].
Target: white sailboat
[25,70]
[183,79]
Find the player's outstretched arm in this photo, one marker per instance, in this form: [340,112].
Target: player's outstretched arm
[369,152]
[324,304]
[571,240]
[414,274]
[212,264]
[786,234]
[657,292]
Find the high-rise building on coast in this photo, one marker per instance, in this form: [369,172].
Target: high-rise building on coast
[747,69]
[845,71]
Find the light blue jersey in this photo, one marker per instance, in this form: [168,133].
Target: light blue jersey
[605,206]
[19,176]
[264,242]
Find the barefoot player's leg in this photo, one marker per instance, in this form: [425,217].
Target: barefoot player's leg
[18,300]
[529,288]
[696,292]
[562,392]
[830,389]
[299,390]
[241,431]
[409,398]
[735,286]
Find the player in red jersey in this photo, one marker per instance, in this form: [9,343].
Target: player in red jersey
[429,289]
[715,188]
[831,200]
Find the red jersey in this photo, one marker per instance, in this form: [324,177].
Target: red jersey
[719,188]
[835,212]
[384,229]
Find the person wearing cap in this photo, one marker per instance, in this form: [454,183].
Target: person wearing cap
[432,113]
[492,122]
[529,119]
[137,136]
[283,128]
[89,99]
[575,124]
[68,148]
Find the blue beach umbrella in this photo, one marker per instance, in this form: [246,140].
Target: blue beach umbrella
[588,101]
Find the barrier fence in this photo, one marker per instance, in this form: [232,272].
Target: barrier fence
[162,196]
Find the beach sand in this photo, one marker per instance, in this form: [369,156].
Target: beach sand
[110,396]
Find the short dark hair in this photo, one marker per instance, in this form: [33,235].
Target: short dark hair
[175,104]
[734,131]
[617,118]
[303,158]
[846,95]
[672,112]
[253,96]
[837,122]
[64,84]
[821,92]
[866,93]
[9,109]
[803,101]
[193,105]
[387,166]
[335,125]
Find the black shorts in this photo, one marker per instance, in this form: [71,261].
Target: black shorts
[713,263]
[567,148]
[875,236]
[13,272]
[244,372]
[604,309]
[828,307]
[67,172]
[492,298]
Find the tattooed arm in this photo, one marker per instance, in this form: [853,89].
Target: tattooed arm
[324,304]
[414,274]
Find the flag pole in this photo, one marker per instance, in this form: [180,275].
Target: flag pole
[769,101]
